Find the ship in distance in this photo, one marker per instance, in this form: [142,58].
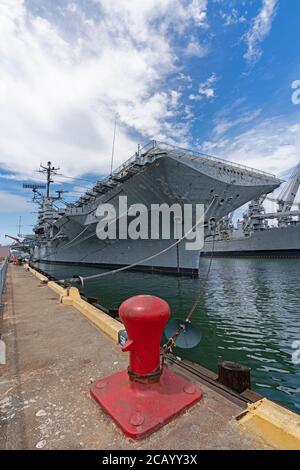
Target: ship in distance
[263,234]
[22,245]
[158,173]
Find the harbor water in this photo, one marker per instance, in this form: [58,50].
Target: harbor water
[250,314]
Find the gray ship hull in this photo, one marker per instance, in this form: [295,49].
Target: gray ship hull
[156,177]
[276,242]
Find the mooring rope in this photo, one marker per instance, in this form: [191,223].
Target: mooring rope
[72,243]
[149,258]
[171,343]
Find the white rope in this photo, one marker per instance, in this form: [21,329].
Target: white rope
[71,242]
[149,258]
[67,244]
[171,343]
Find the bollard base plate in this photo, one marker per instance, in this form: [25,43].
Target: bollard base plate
[140,409]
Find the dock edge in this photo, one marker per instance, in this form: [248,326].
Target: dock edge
[276,425]
[71,296]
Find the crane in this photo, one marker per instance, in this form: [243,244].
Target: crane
[13,238]
[288,194]
[286,200]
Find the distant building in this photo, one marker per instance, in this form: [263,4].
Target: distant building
[4,251]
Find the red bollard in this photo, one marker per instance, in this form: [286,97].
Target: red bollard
[144,397]
[144,318]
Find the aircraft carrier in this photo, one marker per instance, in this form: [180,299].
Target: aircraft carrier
[254,236]
[156,174]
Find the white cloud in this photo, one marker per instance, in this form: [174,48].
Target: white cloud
[194,49]
[12,203]
[273,146]
[224,125]
[205,89]
[232,18]
[189,115]
[185,78]
[197,9]
[72,7]
[260,28]
[61,85]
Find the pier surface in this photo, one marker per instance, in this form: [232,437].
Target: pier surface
[53,354]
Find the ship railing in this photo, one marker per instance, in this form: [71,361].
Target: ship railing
[3,270]
[156,145]
[150,150]
[120,169]
[134,158]
[123,167]
[167,146]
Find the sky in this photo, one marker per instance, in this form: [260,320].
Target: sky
[213,75]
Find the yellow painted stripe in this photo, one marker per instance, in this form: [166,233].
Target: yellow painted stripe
[71,296]
[38,275]
[104,322]
[279,427]
[57,288]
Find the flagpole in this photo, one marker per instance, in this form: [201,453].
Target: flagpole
[113,145]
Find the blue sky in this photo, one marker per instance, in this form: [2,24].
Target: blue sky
[213,75]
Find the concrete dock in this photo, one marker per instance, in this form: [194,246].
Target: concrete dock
[54,353]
